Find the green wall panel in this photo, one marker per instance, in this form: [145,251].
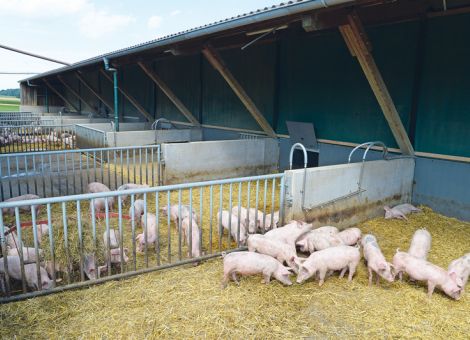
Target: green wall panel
[322,83]
[254,70]
[139,86]
[443,121]
[182,75]
[91,77]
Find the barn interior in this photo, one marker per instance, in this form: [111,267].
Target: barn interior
[376,93]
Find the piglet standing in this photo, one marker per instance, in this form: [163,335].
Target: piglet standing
[151,232]
[114,238]
[89,267]
[350,236]
[461,267]
[130,186]
[11,238]
[420,244]
[335,258]
[100,203]
[376,262]
[318,240]
[175,211]
[422,270]
[250,217]
[43,230]
[115,255]
[137,210]
[25,208]
[266,221]
[191,230]
[281,251]
[249,263]
[289,233]
[230,222]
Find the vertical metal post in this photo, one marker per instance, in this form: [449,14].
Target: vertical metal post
[116,101]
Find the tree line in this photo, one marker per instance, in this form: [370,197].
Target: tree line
[10,92]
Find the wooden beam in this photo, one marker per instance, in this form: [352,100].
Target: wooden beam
[216,61]
[71,89]
[130,98]
[355,36]
[92,90]
[66,101]
[169,93]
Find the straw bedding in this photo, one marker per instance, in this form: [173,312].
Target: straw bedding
[187,302]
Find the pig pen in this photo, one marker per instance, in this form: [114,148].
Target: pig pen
[187,302]
[75,234]
[103,135]
[68,172]
[34,138]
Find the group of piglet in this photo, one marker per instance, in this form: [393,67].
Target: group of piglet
[113,254]
[274,254]
[36,136]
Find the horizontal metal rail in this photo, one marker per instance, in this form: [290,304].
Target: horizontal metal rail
[68,172]
[90,238]
[34,138]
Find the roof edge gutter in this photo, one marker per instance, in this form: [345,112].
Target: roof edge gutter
[294,8]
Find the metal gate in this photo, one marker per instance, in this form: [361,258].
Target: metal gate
[75,239]
[68,172]
[33,138]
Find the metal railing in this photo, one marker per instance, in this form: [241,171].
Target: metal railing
[360,189]
[251,136]
[88,239]
[8,116]
[90,137]
[68,172]
[33,138]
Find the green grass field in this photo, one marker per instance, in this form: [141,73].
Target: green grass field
[9,104]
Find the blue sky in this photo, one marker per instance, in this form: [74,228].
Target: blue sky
[72,30]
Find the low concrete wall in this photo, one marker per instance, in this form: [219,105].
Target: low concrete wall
[130,138]
[147,137]
[40,109]
[199,161]
[384,182]
[131,134]
[444,186]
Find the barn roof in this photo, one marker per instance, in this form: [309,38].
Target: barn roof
[238,21]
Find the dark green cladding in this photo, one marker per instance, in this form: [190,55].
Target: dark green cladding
[320,82]
[443,122]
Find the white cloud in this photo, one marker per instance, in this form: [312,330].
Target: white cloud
[154,22]
[41,8]
[98,23]
[175,12]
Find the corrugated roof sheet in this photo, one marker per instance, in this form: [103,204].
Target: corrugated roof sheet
[171,37]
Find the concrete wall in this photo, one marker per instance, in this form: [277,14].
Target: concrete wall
[383,182]
[444,186]
[440,184]
[40,109]
[132,134]
[197,161]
